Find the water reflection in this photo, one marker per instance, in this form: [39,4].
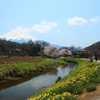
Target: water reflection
[11,83]
[54,72]
[40,83]
[21,90]
[69,67]
[62,70]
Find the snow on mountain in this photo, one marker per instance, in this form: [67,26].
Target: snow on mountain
[17,37]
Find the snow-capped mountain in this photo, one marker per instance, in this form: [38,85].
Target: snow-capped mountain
[17,37]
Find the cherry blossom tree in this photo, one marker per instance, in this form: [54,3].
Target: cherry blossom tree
[54,52]
[48,50]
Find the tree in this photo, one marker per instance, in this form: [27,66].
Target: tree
[53,52]
[42,45]
[48,50]
[96,55]
[73,49]
[79,48]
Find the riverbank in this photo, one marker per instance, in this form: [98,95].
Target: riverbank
[18,68]
[84,78]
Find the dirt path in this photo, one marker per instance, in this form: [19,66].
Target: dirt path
[94,95]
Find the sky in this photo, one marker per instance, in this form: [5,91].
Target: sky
[61,22]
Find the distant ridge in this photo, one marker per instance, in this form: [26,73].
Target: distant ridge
[22,38]
[94,46]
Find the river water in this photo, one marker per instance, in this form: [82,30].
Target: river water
[26,87]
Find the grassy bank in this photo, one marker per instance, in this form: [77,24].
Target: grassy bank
[10,70]
[84,77]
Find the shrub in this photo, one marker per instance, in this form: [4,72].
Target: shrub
[92,87]
[91,59]
[74,89]
[95,80]
[58,79]
[79,90]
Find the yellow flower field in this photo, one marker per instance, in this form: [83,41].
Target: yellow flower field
[72,85]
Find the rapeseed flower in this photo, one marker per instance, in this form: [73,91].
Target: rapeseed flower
[59,90]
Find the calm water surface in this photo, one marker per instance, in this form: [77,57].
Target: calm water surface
[18,90]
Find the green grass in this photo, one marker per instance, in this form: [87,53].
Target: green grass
[91,87]
[95,80]
[16,69]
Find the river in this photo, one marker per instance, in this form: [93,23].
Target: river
[26,87]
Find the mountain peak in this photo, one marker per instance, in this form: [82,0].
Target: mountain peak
[17,37]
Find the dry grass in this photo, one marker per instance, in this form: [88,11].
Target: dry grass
[19,58]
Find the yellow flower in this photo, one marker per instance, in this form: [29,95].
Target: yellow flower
[82,95]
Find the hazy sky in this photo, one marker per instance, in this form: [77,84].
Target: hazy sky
[61,22]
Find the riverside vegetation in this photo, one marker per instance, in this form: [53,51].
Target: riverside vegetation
[10,70]
[85,77]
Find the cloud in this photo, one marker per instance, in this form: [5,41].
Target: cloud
[44,26]
[97,18]
[58,30]
[76,21]
[19,29]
